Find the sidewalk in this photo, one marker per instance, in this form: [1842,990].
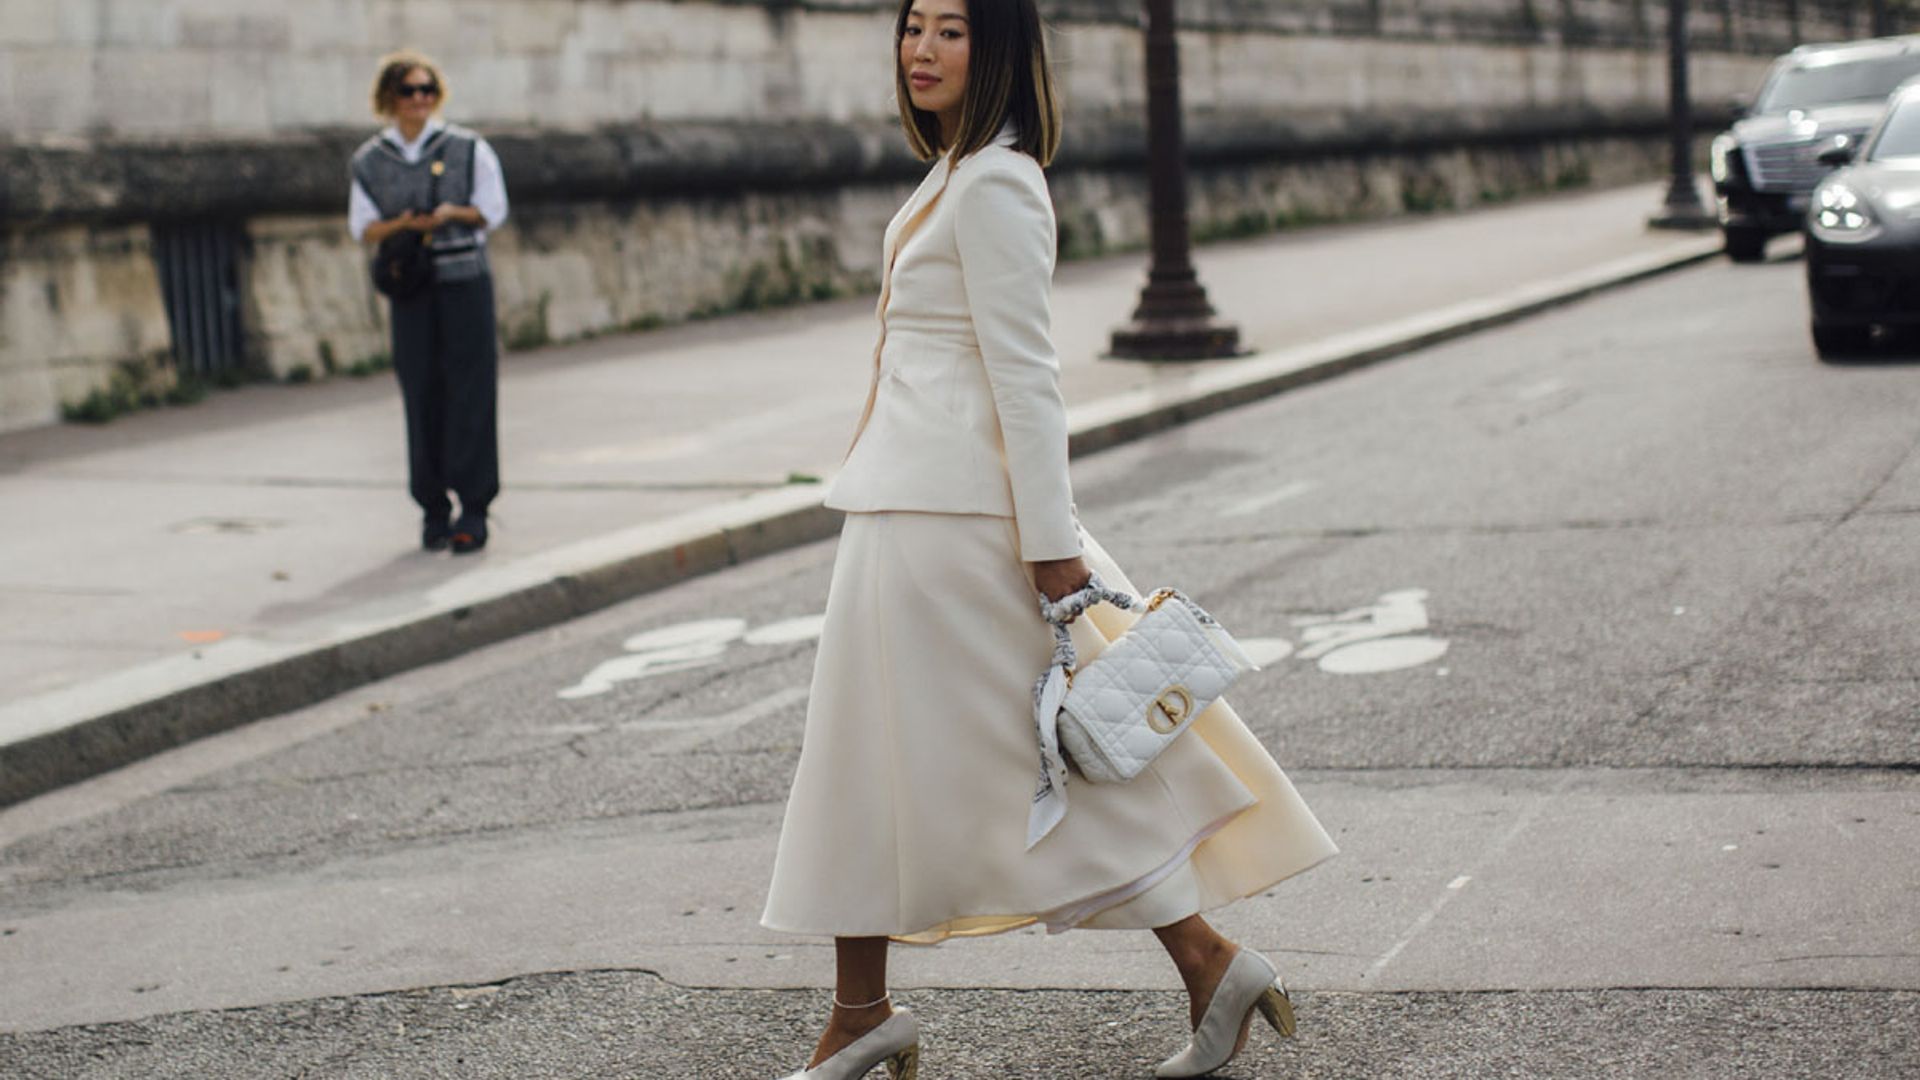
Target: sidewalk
[179,572]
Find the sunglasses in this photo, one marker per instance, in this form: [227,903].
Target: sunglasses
[408,90]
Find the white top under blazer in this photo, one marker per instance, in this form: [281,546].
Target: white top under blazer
[964,415]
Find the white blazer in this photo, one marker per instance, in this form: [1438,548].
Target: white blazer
[964,415]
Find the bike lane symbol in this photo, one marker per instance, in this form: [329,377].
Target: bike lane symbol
[684,646]
[1386,635]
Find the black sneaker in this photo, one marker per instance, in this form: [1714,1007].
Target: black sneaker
[469,535]
[436,535]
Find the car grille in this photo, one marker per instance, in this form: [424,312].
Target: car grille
[1868,293]
[1791,167]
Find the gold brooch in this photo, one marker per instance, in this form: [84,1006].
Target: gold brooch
[439,167]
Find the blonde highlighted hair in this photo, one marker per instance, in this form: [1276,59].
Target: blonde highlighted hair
[1008,79]
[394,69]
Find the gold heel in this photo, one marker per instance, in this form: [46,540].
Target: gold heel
[904,1065]
[1277,1007]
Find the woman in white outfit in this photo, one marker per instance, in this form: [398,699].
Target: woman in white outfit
[909,812]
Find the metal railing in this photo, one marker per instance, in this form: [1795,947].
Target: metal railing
[199,264]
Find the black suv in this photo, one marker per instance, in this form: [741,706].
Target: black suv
[1863,234]
[1766,166]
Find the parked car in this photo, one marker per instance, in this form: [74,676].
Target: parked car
[1863,232]
[1765,167]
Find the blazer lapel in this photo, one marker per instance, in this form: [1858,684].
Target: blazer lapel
[908,220]
[898,233]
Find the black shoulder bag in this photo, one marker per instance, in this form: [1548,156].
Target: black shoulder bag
[402,265]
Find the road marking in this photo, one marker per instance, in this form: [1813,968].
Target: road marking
[1426,919]
[684,646]
[1544,388]
[1379,637]
[1374,657]
[1261,502]
[611,673]
[1266,650]
[1457,885]
[703,631]
[787,631]
[1845,833]
[1372,639]
[1403,611]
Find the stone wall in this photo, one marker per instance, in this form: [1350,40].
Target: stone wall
[670,159]
[252,67]
[580,268]
[75,301]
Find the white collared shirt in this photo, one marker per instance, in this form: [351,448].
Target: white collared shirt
[489,184]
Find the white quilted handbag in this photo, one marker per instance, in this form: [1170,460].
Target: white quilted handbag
[1116,714]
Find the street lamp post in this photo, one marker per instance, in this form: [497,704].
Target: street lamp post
[1173,321]
[1683,209]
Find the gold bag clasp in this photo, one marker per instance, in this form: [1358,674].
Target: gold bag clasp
[1170,710]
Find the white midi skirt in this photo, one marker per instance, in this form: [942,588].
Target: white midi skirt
[908,815]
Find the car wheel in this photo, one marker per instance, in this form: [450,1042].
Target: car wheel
[1833,342]
[1745,245]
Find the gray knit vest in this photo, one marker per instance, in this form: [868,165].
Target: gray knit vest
[396,186]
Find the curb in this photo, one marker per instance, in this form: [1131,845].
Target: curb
[73,734]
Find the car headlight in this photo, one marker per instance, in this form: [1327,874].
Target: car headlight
[1723,145]
[1840,215]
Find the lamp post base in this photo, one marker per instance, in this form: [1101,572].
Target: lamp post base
[1176,339]
[1691,218]
[1683,209]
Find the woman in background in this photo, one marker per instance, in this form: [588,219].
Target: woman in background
[445,182]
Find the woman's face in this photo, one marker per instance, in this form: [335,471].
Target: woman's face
[418,97]
[933,57]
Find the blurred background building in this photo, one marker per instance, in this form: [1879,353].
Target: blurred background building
[173,172]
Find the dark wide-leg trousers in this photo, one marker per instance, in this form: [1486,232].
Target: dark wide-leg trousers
[446,355]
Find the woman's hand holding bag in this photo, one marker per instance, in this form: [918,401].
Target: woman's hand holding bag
[1115,714]
[1056,578]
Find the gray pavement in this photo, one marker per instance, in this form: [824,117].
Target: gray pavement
[199,567]
[1647,813]
[676,894]
[632,1025]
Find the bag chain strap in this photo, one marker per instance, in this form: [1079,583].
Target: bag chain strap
[1059,613]
[1050,796]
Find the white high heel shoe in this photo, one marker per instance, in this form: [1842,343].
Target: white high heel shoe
[1250,983]
[896,1041]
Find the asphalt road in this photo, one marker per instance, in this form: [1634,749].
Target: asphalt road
[1619,738]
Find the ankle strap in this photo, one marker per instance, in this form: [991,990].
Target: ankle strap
[881,1000]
